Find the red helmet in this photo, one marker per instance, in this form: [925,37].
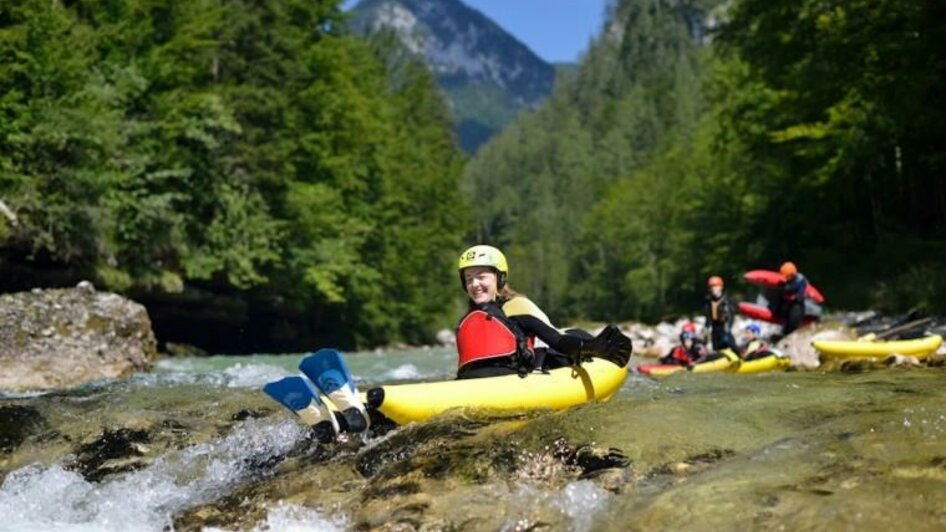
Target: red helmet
[788,270]
[714,281]
[688,327]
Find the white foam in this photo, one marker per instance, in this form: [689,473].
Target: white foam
[52,498]
[579,502]
[294,518]
[402,373]
[252,375]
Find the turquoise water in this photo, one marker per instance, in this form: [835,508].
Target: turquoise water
[812,451]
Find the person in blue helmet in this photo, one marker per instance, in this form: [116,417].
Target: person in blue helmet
[753,346]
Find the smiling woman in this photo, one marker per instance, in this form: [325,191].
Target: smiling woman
[505,333]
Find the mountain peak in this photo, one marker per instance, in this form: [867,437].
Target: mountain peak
[488,74]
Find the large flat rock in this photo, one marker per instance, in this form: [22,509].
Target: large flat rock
[60,338]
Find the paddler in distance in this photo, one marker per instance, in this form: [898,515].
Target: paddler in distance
[497,335]
[689,352]
[791,304]
[753,346]
[720,313]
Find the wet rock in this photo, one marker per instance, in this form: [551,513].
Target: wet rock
[175,349]
[694,464]
[797,346]
[18,423]
[593,459]
[936,361]
[900,361]
[446,337]
[85,287]
[112,452]
[857,365]
[66,337]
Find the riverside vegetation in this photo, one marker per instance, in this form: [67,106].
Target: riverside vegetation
[260,179]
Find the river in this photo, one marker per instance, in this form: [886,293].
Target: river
[195,445]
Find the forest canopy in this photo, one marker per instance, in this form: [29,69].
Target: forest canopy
[248,158]
[708,137]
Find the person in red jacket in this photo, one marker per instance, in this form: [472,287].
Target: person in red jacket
[498,334]
[690,351]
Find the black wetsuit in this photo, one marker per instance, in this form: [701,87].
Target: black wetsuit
[561,351]
[721,321]
[791,307]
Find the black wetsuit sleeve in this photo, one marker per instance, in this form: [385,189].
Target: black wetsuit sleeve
[563,343]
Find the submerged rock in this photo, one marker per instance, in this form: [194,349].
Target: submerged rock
[16,424]
[65,337]
[114,451]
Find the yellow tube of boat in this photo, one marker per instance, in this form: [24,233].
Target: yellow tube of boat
[763,364]
[595,380]
[919,348]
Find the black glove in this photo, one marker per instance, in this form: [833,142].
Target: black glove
[611,344]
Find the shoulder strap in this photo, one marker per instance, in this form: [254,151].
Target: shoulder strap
[523,306]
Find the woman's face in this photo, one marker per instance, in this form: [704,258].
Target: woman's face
[481,283]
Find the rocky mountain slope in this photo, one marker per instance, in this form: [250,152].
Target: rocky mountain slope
[488,74]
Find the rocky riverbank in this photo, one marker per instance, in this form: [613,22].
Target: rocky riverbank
[59,338]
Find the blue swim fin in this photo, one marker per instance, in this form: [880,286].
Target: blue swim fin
[327,370]
[296,394]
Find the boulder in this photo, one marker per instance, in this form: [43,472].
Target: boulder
[59,338]
[446,337]
[797,346]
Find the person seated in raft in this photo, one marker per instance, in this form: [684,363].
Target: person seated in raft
[720,312]
[690,351]
[791,304]
[497,335]
[753,347]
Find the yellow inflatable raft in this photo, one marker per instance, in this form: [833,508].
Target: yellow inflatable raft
[596,380]
[919,348]
[729,362]
[763,364]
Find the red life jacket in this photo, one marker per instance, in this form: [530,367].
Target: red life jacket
[485,333]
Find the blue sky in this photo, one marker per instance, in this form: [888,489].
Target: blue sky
[556,30]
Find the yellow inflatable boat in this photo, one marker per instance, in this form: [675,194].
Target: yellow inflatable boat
[728,362]
[763,364]
[919,348]
[596,380]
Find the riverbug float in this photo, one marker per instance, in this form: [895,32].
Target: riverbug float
[771,362]
[845,349]
[596,380]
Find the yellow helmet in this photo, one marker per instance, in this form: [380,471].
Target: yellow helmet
[484,256]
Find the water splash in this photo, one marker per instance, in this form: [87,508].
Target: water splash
[52,498]
[402,373]
[294,518]
[578,503]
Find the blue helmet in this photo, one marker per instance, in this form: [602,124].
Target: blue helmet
[754,329]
